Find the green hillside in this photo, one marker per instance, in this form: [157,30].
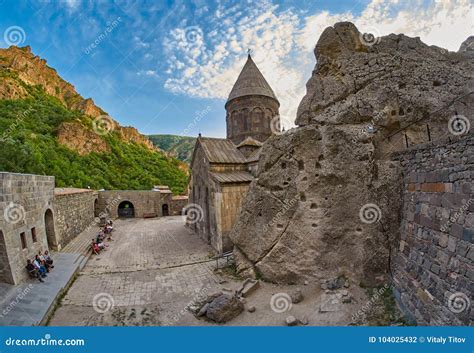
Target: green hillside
[28,144]
[180,147]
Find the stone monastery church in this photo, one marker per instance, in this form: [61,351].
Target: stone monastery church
[222,169]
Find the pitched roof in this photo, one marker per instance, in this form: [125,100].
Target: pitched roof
[254,157]
[221,150]
[233,177]
[251,82]
[249,141]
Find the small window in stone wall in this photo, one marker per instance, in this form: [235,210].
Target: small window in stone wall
[33,235]
[23,240]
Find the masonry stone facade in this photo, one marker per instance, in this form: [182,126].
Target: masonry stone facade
[433,270]
[141,203]
[26,221]
[75,211]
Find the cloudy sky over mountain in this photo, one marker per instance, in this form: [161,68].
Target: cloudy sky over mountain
[159,66]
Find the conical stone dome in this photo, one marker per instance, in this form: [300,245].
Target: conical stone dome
[251,83]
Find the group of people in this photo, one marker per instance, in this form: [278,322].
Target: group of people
[98,242]
[40,265]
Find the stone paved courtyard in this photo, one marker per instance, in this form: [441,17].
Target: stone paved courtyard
[154,268]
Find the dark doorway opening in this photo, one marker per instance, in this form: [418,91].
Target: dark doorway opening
[165,210]
[126,210]
[5,270]
[50,232]
[96,208]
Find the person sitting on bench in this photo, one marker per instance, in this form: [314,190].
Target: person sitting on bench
[95,247]
[33,272]
[41,269]
[48,259]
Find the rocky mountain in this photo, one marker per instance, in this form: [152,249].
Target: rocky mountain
[367,98]
[48,128]
[33,70]
[180,147]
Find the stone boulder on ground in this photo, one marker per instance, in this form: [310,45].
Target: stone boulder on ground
[326,201]
[224,308]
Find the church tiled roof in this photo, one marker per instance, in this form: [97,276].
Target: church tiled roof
[251,82]
[221,150]
[233,177]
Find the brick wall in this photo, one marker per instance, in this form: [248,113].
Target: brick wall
[74,213]
[433,270]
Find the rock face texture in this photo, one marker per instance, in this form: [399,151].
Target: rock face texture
[327,199]
[77,137]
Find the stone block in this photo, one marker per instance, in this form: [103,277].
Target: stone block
[468,235]
[452,242]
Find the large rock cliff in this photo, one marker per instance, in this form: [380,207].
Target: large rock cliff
[326,201]
[26,68]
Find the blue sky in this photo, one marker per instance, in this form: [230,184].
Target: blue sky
[167,66]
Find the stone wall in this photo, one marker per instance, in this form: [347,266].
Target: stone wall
[146,203]
[178,203]
[250,116]
[228,201]
[74,210]
[433,270]
[26,205]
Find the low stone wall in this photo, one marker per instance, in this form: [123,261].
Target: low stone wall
[74,210]
[433,270]
[26,213]
[178,203]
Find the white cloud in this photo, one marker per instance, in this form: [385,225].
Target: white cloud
[283,43]
[149,73]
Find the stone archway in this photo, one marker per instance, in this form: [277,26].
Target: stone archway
[165,210]
[49,227]
[126,210]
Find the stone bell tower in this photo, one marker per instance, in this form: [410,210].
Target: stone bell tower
[251,106]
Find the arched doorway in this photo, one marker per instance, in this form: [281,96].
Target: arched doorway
[96,208]
[165,210]
[126,210]
[49,226]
